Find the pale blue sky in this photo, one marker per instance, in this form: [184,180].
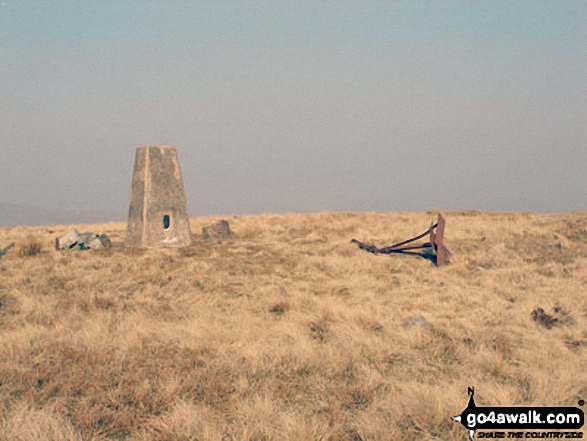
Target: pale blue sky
[299,106]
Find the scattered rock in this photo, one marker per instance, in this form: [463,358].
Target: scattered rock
[68,241]
[561,318]
[564,317]
[544,319]
[106,242]
[5,250]
[89,241]
[281,291]
[279,308]
[73,240]
[416,321]
[217,230]
[477,269]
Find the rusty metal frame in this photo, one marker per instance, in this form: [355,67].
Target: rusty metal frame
[434,249]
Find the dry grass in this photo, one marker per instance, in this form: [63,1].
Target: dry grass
[286,331]
[31,247]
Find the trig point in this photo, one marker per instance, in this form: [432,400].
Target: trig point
[157,216]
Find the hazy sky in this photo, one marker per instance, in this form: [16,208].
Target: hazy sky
[298,106]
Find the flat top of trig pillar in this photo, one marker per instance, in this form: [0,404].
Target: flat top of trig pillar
[170,147]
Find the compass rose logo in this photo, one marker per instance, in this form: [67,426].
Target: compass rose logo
[462,418]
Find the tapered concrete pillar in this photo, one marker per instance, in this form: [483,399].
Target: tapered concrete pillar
[157,216]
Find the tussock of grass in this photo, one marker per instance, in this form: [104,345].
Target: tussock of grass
[286,331]
[31,247]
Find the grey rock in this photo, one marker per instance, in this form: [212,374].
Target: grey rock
[68,241]
[218,230]
[544,319]
[73,240]
[416,321]
[94,243]
[89,240]
[106,242]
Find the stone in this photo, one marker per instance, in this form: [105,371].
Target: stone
[73,240]
[220,229]
[68,241]
[89,240]
[94,243]
[544,319]
[416,321]
[106,242]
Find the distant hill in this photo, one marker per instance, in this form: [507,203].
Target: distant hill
[21,214]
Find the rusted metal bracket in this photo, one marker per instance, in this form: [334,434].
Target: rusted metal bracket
[433,250]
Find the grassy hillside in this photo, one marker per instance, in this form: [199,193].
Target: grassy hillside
[288,332]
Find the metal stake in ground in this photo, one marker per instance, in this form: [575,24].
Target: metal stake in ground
[434,249]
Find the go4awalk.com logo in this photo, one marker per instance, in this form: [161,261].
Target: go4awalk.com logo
[506,422]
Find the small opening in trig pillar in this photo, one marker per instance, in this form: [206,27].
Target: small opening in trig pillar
[166,221]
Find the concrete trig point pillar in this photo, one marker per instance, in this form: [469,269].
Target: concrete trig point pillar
[157,216]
